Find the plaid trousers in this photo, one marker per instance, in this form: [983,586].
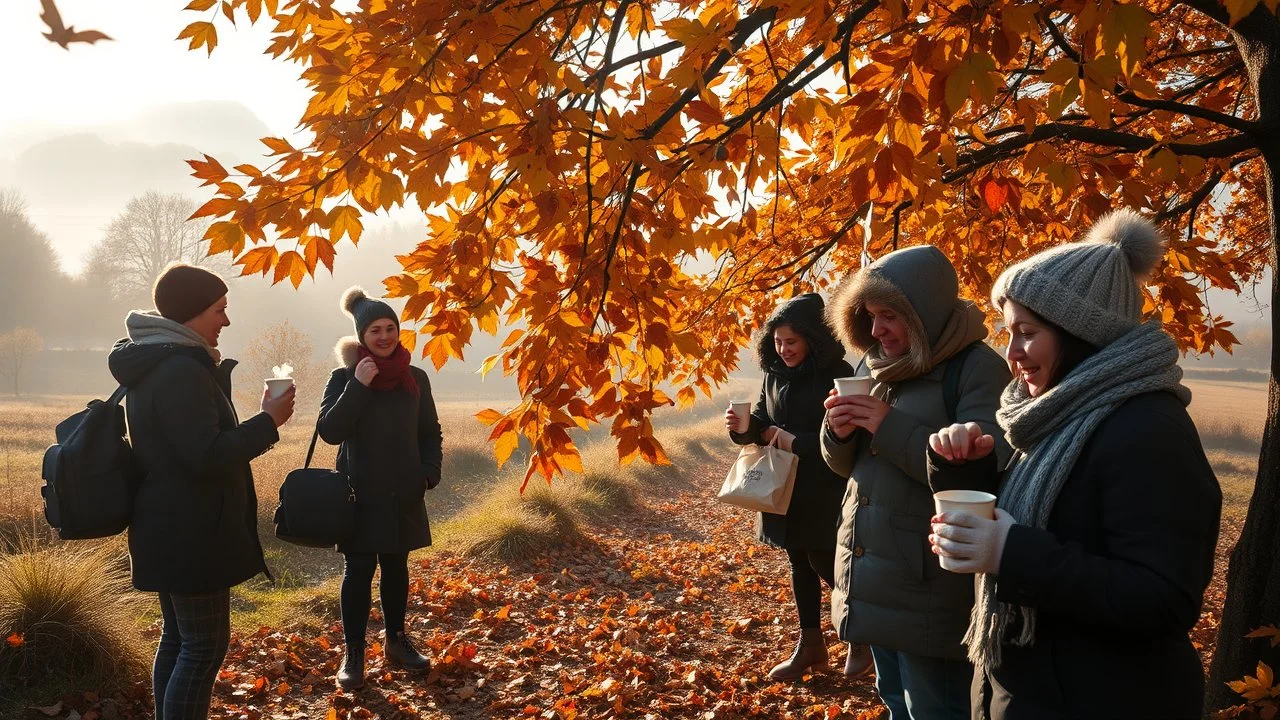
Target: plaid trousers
[193,644]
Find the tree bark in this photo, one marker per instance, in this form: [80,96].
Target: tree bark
[1253,575]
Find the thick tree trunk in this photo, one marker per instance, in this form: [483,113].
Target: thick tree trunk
[1253,576]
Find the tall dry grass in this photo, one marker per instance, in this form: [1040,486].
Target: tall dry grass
[68,619]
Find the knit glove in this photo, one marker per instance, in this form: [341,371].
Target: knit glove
[970,544]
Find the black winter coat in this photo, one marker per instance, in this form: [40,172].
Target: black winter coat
[195,515]
[391,447]
[792,400]
[1117,577]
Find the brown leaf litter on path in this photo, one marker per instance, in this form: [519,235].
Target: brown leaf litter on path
[674,612]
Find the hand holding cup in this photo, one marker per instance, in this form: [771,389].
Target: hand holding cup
[738,417]
[846,413]
[279,407]
[966,543]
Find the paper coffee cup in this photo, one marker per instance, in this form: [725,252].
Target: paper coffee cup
[278,386]
[743,412]
[973,502]
[860,385]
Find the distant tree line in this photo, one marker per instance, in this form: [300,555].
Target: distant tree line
[85,310]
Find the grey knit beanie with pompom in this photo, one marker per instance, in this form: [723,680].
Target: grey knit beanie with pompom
[365,310]
[1089,288]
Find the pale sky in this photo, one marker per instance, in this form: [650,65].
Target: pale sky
[83,130]
[142,67]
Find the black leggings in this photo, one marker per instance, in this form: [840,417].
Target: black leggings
[809,568]
[357,593]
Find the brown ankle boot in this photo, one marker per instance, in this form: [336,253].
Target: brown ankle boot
[858,661]
[810,655]
[400,652]
[351,672]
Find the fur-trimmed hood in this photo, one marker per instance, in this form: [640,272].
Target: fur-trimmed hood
[804,313]
[919,283]
[347,351]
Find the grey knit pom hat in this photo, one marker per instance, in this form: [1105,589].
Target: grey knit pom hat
[1089,288]
[365,310]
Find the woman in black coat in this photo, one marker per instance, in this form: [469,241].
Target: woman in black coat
[379,408]
[194,530]
[1093,570]
[801,359]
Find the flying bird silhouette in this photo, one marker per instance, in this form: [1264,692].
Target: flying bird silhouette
[63,35]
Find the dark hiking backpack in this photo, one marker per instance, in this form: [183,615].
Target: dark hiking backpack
[90,474]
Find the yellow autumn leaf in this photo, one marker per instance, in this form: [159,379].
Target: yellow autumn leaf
[345,220]
[201,34]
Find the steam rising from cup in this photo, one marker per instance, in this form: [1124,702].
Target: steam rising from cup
[281,380]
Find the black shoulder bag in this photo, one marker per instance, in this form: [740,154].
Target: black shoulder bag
[317,506]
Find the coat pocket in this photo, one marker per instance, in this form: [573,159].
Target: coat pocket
[910,534]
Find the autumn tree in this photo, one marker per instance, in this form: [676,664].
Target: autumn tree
[17,348]
[633,184]
[276,345]
[151,232]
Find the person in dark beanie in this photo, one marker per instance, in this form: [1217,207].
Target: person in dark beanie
[801,358]
[1094,568]
[378,408]
[904,314]
[193,534]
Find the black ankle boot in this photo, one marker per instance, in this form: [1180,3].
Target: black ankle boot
[399,652]
[351,672]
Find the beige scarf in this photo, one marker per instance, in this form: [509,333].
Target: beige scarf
[148,327]
[966,326]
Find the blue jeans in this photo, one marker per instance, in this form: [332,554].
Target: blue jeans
[915,687]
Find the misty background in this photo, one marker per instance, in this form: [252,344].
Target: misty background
[93,173]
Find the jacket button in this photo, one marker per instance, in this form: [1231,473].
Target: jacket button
[864,500]
[857,551]
[875,451]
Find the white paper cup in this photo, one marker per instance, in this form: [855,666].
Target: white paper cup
[278,386]
[860,385]
[974,502]
[743,412]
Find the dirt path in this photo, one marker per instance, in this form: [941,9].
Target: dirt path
[674,611]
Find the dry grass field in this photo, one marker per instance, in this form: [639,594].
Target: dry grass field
[1229,415]
[477,502]
[478,513]
[306,577]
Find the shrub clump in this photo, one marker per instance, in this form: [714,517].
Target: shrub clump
[68,619]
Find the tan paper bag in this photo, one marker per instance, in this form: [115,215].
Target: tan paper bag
[761,479]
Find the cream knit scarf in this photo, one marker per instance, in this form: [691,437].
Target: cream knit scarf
[151,328]
[1048,433]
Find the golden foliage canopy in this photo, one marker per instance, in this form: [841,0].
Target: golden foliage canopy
[627,187]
